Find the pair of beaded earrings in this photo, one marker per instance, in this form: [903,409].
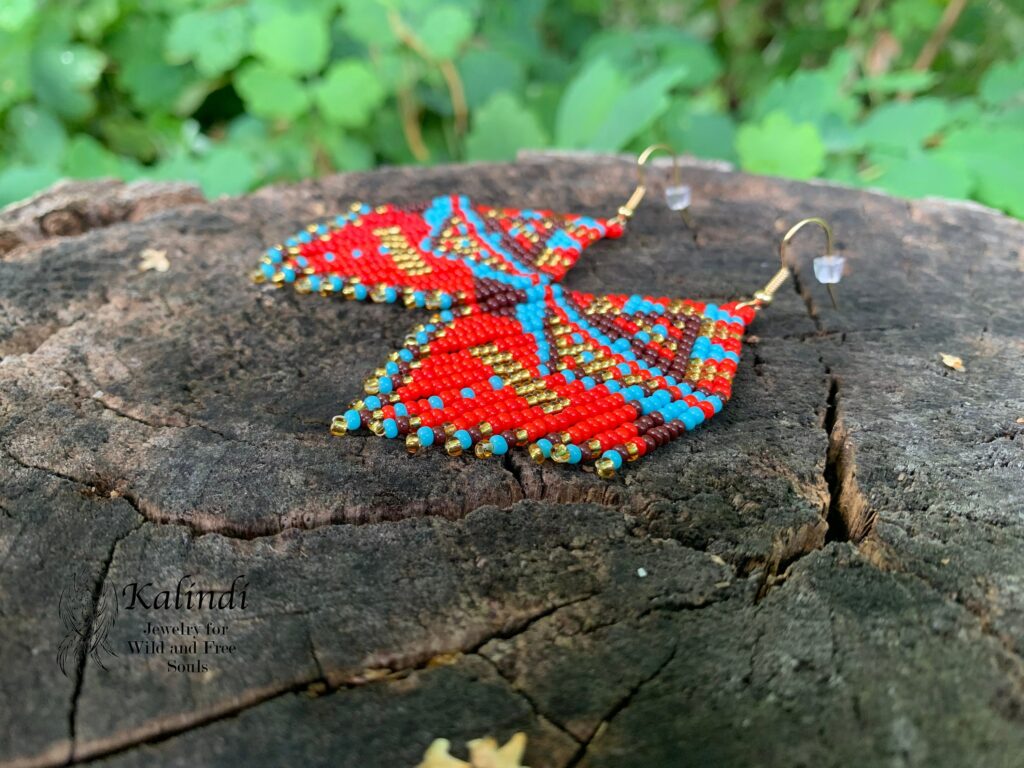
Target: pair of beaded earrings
[510,358]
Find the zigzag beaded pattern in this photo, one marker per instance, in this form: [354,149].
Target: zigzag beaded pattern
[441,254]
[512,359]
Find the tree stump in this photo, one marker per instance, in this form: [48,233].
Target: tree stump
[828,574]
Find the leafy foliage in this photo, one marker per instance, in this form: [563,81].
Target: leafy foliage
[906,95]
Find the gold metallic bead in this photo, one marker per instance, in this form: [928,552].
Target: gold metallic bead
[633,451]
[377,427]
[302,286]
[522,436]
[371,386]
[338,426]
[415,422]
[483,449]
[453,447]
[594,445]
[378,414]
[605,468]
[560,453]
[536,454]
[357,405]
[412,443]
[258,277]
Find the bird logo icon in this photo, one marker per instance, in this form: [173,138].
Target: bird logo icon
[87,616]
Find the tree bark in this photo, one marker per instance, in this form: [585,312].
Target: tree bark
[827,574]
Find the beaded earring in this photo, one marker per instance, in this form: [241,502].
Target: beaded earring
[511,358]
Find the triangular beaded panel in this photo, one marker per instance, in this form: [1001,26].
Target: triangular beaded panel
[448,252]
[569,376]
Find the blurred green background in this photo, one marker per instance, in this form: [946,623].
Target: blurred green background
[916,97]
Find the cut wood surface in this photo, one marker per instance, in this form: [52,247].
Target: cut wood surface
[830,573]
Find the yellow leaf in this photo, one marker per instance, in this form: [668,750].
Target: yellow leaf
[437,756]
[483,753]
[952,361]
[154,259]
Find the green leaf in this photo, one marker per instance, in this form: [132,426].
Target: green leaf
[367,21]
[994,156]
[1003,83]
[697,59]
[348,153]
[586,103]
[635,109]
[63,78]
[151,83]
[226,170]
[779,147]
[924,175]
[703,134]
[444,31]
[214,40]
[485,72]
[908,81]
[349,93]
[86,158]
[904,125]
[20,181]
[15,14]
[501,127]
[15,72]
[269,93]
[807,97]
[39,137]
[94,17]
[837,13]
[292,43]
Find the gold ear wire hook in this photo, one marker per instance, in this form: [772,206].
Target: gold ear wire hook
[763,297]
[626,211]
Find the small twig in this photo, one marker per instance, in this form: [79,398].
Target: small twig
[457,94]
[456,91]
[409,113]
[938,37]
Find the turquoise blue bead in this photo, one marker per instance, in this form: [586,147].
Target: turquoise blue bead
[426,436]
[390,428]
[352,420]
[498,445]
[464,439]
[614,456]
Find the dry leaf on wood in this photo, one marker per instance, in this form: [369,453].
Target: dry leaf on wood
[952,361]
[483,753]
[154,259]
